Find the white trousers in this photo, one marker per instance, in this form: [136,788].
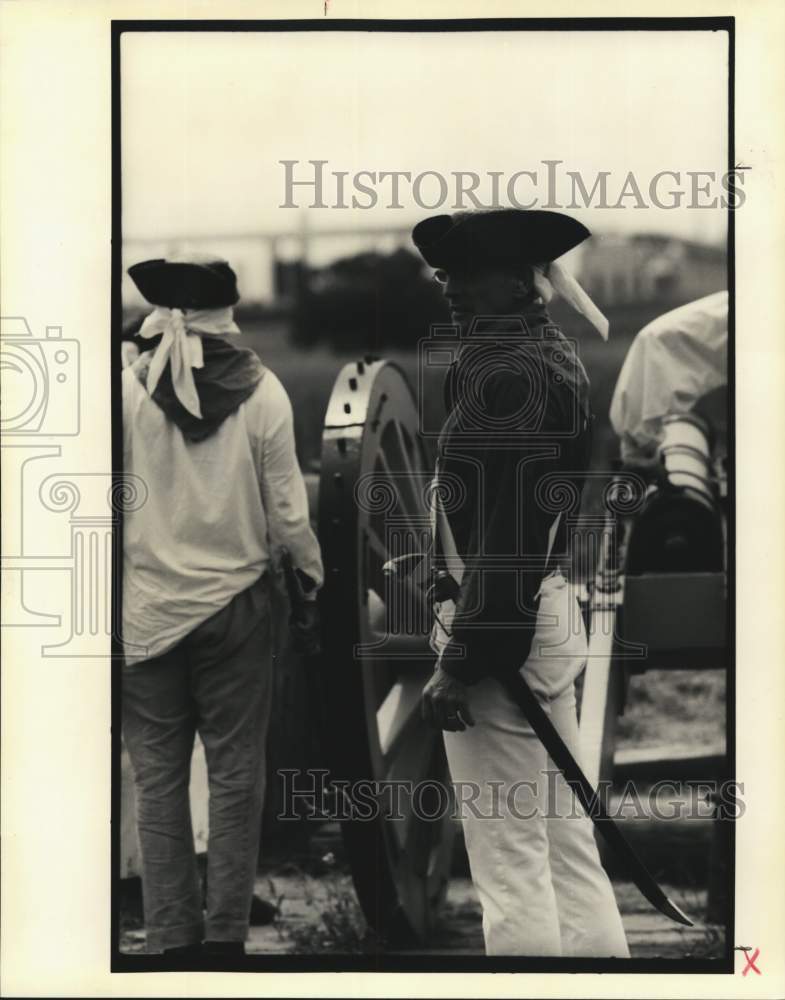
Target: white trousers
[532,853]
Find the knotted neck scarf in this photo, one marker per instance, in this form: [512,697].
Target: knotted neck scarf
[195,375]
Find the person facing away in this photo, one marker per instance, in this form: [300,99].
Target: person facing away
[208,435]
[517,435]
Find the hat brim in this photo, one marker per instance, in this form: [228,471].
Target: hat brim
[179,285]
[504,238]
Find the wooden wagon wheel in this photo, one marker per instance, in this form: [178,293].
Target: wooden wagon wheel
[376,659]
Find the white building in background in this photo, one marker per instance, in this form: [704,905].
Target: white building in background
[620,270]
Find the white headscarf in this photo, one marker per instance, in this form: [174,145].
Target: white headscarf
[555,278]
[181,346]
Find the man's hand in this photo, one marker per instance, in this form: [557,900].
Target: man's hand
[445,702]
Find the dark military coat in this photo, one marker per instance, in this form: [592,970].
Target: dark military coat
[513,451]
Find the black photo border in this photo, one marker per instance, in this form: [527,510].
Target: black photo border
[445,962]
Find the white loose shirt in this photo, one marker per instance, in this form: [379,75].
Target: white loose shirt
[214,513]
[673,361]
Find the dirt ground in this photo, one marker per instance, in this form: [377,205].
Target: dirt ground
[321,916]
[318,913]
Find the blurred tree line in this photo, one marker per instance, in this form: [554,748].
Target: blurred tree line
[367,301]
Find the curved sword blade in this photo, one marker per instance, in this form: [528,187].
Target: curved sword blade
[560,754]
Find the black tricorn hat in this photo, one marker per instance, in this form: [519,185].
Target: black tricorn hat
[503,237]
[186,281]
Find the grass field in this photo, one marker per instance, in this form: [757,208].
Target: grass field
[674,709]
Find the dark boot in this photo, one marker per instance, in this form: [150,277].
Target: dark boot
[186,956]
[262,912]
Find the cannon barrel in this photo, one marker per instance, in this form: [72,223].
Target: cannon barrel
[679,529]
[675,586]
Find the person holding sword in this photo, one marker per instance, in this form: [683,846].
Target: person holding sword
[518,418]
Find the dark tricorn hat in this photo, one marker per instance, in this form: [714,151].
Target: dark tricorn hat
[186,281]
[507,236]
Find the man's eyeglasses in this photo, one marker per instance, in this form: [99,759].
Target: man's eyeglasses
[442,277]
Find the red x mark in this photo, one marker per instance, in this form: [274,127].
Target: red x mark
[751,962]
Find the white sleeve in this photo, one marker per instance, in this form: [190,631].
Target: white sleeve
[283,490]
[671,364]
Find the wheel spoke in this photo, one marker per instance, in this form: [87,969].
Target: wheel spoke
[407,505]
[397,714]
[413,476]
[422,834]
[409,758]
[377,544]
[377,614]
[375,556]
[409,763]
[410,616]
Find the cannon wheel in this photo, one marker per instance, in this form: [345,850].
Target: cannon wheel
[373,506]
